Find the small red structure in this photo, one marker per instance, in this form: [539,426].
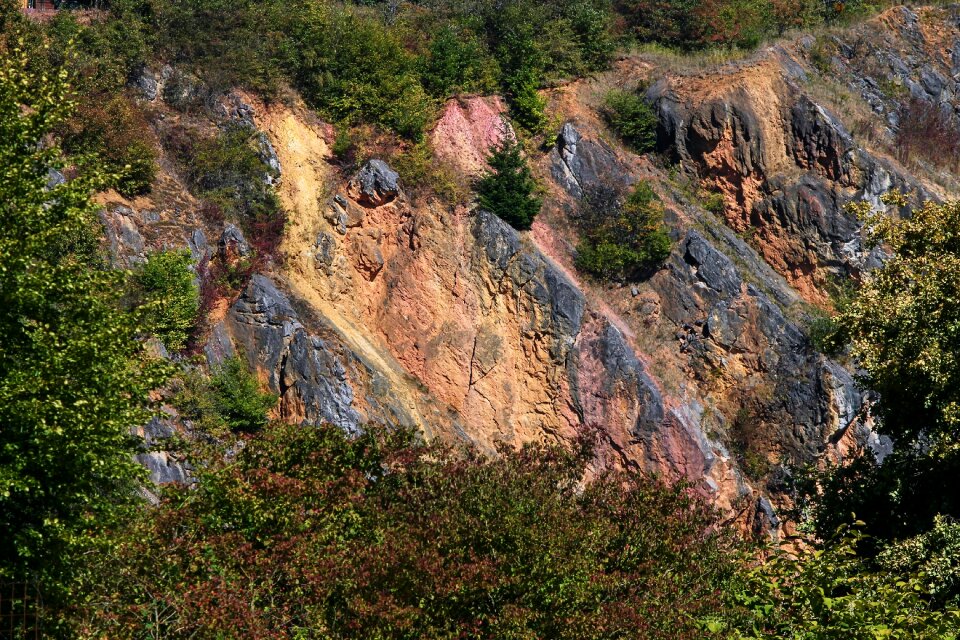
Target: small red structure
[40,6]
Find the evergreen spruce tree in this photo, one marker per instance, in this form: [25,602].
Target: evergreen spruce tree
[509,190]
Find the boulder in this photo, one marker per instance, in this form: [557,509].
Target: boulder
[232,244]
[375,184]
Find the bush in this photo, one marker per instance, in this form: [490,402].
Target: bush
[457,62]
[509,190]
[421,172]
[230,400]
[229,172]
[114,129]
[166,290]
[632,119]
[622,239]
[73,376]
[354,69]
[829,593]
[929,133]
[935,554]
[306,531]
[693,24]
[237,397]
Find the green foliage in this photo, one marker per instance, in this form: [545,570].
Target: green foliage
[308,532]
[229,172]
[935,555]
[229,400]
[421,171]
[355,69]
[632,119]
[73,379]
[457,63]
[166,289]
[825,594]
[693,24]
[237,396]
[509,189]
[622,239]
[902,324]
[824,334]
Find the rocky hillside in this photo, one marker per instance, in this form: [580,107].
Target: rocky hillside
[391,307]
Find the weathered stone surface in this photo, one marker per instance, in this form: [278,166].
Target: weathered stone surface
[144,81]
[375,184]
[165,467]
[579,164]
[308,373]
[232,244]
[127,246]
[712,267]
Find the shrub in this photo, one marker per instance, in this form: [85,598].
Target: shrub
[237,397]
[73,376]
[509,190]
[229,172]
[230,400]
[306,531]
[421,172]
[354,69]
[928,133]
[457,62]
[165,288]
[935,554]
[622,239]
[117,132]
[830,593]
[632,119]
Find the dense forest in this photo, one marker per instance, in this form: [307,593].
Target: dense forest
[290,531]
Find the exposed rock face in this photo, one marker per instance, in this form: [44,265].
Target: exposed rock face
[785,165]
[446,319]
[466,131]
[579,164]
[232,244]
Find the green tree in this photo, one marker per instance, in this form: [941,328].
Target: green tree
[903,330]
[830,593]
[306,529]
[237,397]
[904,323]
[166,287]
[73,379]
[509,189]
[622,239]
[632,119]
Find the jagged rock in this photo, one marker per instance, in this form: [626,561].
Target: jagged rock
[164,466]
[270,158]
[375,184]
[126,243]
[369,257]
[232,244]
[580,164]
[144,81]
[326,253]
[307,373]
[232,108]
[219,347]
[55,178]
[343,214]
[199,248]
[712,267]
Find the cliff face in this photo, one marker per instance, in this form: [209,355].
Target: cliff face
[406,312]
